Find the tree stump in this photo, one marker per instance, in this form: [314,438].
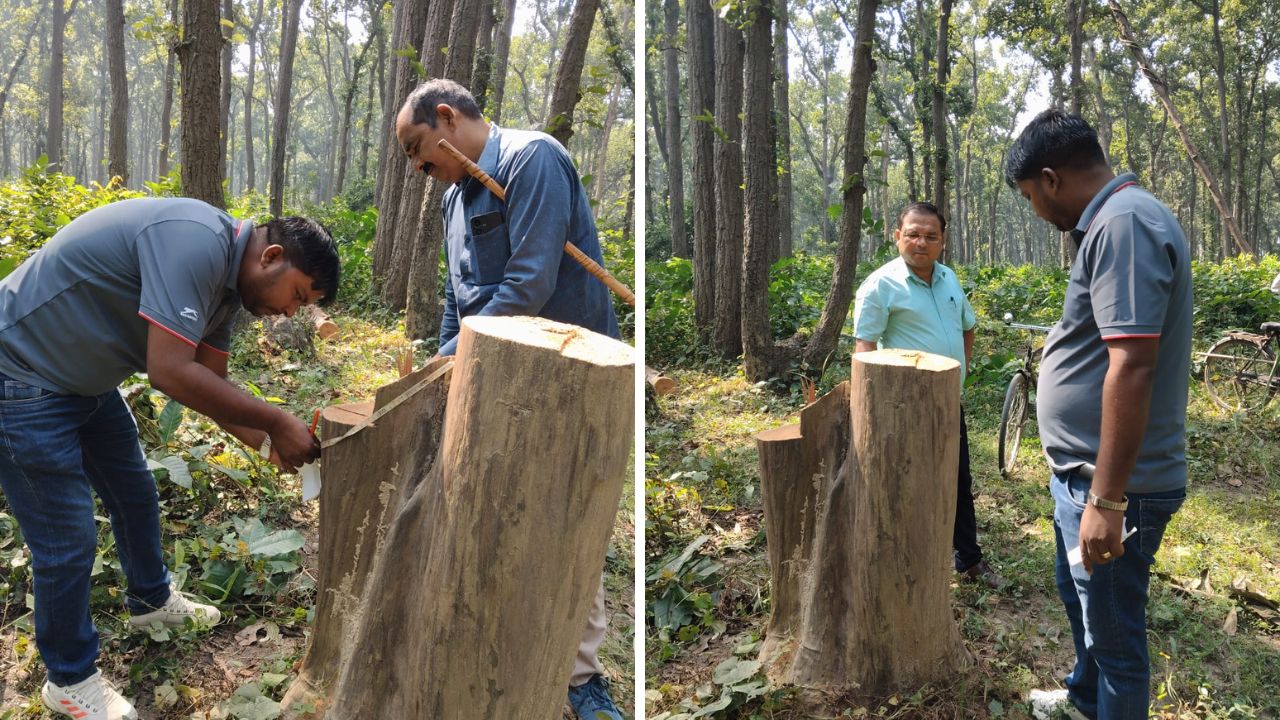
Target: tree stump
[876,599]
[798,463]
[478,591]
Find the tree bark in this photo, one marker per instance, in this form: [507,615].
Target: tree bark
[284,98]
[877,598]
[53,136]
[798,464]
[674,146]
[782,123]
[940,151]
[118,149]
[569,75]
[1129,40]
[700,36]
[482,74]
[727,320]
[249,159]
[224,113]
[166,112]
[496,562]
[201,149]
[502,53]
[761,357]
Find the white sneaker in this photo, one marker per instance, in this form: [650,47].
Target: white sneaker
[175,612]
[91,699]
[1053,705]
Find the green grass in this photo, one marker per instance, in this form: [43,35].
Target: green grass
[702,480]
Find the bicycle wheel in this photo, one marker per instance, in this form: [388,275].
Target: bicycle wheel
[1237,374]
[1012,417]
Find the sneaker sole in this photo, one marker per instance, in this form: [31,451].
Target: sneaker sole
[131,715]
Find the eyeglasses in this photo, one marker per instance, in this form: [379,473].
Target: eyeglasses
[914,237]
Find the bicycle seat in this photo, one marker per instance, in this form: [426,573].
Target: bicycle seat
[1271,328]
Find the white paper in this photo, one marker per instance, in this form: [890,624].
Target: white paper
[310,481]
[1075,558]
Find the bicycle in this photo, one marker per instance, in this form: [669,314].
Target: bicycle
[1013,416]
[1240,370]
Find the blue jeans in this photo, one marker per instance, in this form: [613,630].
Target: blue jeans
[55,452]
[1108,610]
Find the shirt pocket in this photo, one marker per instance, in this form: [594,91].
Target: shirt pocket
[490,248]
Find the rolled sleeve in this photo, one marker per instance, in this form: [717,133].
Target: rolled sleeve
[1131,280]
[968,318]
[182,266]
[538,211]
[870,316]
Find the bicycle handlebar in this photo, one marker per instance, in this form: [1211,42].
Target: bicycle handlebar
[1008,321]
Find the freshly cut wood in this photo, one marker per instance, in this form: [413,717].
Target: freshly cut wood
[366,478]
[798,463]
[325,327]
[876,600]
[480,587]
[661,384]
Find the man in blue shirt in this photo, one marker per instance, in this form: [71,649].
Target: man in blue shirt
[507,258]
[144,285]
[1111,405]
[915,302]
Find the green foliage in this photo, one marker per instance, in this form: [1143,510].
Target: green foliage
[1032,294]
[671,337]
[1234,295]
[798,287]
[37,203]
[683,592]
[738,685]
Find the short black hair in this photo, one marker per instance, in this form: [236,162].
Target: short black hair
[424,99]
[1053,139]
[926,208]
[309,247]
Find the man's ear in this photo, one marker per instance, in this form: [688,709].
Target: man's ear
[271,255]
[1050,180]
[445,113]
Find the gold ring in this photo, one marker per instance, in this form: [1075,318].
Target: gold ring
[1106,555]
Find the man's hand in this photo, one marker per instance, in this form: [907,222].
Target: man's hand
[292,444]
[1101,536]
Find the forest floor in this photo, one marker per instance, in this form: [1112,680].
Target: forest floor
[243,666]
[1213,656]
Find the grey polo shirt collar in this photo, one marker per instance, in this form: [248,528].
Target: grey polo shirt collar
[239,241]
[1091,211]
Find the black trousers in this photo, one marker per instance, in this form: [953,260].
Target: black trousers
[965,538]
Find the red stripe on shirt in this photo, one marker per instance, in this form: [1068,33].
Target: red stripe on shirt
[1126,337]
[162,327]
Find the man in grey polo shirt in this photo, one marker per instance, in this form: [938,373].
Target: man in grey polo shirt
[915,302]
[1111,405]
[140,285]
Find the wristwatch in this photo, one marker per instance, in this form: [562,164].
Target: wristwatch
[265,451]
[1106,504]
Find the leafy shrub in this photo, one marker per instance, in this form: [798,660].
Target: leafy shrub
[36,204]
[1234,295]
[1032,294]
[671,336]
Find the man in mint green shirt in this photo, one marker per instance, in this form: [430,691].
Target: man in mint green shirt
[914,302]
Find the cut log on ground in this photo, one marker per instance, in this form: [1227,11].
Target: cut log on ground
[324,326]
[480,587]
[798,463]
[876,599]
[661,384]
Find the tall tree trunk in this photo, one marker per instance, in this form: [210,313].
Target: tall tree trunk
[727,322]
[760,184]
[166,113]
[118,165]
[424,308]
[822,343]
[53,136]
[674,154]
[940,146]
[348,101]
[700,36]
[502,53]
[394,173]
[599,183]
[1224,134]
[482,74]
[249,156]
[1162,91]
[224,114]
[284,98]
[201,148]
[782,121]
[380,32]
[569,75]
